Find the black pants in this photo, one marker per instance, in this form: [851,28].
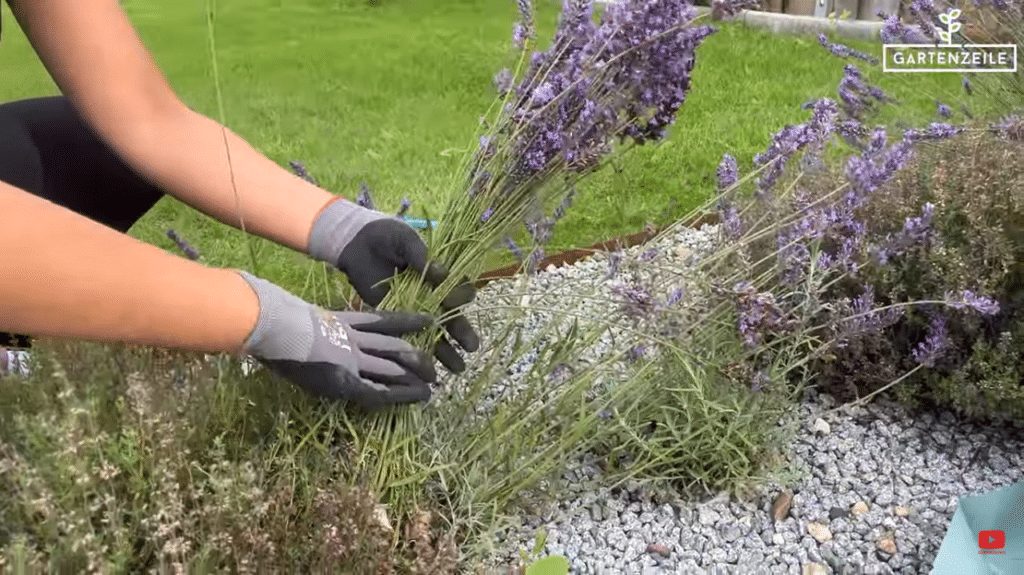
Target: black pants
[48,150]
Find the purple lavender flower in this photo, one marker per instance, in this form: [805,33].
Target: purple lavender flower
[565,205]
[760,381]
[1009,127]
[512,247]
[916,231]
[935,344]
[571,103]
[943,110]
[300,171]
[560,373]
[364,199]
[926,14]
[189,251]
[541,230]
[674,297]
[637,302]
[729,215]
[844,51]
[649,255]
[934,131]
[791,139]
[480,180]
[721,9]
[967,85]
[533,262]
[968,299]
[851,90]
[404,207]
[526,19]
[868,171]
[728,172]
[518,35]
[614,261]
[503,81]
[895,32]
[487,148]
[486,215]
[759,314]
[636,352]
[865,319]
[853,132]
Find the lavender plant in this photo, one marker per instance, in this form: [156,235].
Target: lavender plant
[600,88]
[603,87]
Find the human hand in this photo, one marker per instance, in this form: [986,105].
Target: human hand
[371,247]
[353,356]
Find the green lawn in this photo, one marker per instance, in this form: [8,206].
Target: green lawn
[377,94]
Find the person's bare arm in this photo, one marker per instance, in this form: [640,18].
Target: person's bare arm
[100,64]
[64,275]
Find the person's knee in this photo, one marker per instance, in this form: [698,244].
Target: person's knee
[73,166]
[20,163]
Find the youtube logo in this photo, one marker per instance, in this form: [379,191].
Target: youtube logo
[991,539]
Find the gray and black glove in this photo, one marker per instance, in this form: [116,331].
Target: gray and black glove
[371,247]
[353,356]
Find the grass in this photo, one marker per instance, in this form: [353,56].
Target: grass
[379,94]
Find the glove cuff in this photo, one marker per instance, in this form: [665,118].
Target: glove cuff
[335,227]
[284,328]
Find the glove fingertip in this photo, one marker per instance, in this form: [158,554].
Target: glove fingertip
[436,273]
[460,295]
[449,357]
[460,329]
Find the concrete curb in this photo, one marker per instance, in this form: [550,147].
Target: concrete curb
[789,24]
[865,30]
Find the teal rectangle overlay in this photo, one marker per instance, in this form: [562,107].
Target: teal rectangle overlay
[420,223]
[986,535]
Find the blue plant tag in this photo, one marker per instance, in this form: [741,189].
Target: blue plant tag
[420,223]
[986,535]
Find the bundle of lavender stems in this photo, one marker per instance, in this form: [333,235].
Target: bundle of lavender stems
[600,89]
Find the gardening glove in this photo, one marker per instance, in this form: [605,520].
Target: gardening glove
[353,356]
[371,247]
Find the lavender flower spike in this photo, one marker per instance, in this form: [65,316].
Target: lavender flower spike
[190,252]
[931,349]
[1010,127]
[728,173]
[364,199]
[404,207]
[503,81]
[614,261]
[967,299]
[943,109]
[512,247]
[934,131]
[844,51]
[300,171]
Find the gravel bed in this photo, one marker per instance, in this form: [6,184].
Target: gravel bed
[877,486]
[877,495]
